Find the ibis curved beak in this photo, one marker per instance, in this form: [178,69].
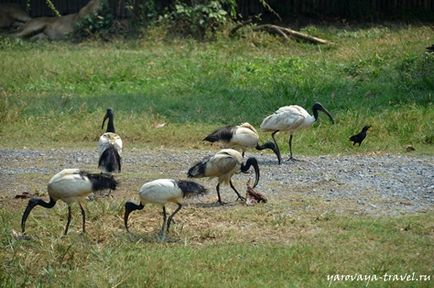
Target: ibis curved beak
[252,162]
[271,146]
[328,114]
[30,206]
[130,207]
[106,116]
[32,203]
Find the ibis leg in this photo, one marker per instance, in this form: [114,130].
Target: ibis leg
[68,222]
[83,214]
[173,214]
[233,188]
[218,194]
[290,149]
[275,143]
[164,228]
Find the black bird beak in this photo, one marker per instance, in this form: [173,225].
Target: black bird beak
[106,116]
[271,146]
[30,206]
[276,151]
[252,162]
[328,114]
[130,207]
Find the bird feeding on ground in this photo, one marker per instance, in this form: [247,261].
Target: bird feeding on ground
[223,165]
[358,138]
[163,191]
[70,186]
[291,118]
[109,146]
[242,137]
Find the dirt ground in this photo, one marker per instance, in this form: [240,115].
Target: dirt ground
[374,184]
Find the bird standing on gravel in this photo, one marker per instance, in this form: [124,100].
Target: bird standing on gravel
[242,137]
[358,138]
[109,146]
[163,191]
[291,118]
[71,185]
[223,165]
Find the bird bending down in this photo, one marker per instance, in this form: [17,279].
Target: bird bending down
[358,138]
[109,147]
[163,191]
[291,118]
[241,137]
[223,165]
[71,185]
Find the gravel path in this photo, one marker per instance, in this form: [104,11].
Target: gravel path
[363,184]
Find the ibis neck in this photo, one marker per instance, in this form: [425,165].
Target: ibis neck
[110,125]
[315,114]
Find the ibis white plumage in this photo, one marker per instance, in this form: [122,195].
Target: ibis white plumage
[161,192]
[241,137]
[109,146]
[70,186]
[291,118]
[223,165]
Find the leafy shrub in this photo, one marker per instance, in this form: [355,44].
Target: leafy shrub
[198,20]
[98,24]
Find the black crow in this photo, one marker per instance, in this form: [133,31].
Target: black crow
[358,138]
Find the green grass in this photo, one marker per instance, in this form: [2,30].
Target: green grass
[377,75]
[55,94]
[278,252]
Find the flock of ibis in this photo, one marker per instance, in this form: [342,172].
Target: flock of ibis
[74,185]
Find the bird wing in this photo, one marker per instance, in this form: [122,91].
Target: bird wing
[223,162]
[69,185]
[245,137]
[109,138]
[285,119]
[160,191]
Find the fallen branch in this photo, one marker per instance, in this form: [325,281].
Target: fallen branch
[239,25]
[285,32]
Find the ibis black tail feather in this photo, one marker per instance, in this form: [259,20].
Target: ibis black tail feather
[110,160]
[190,188]
[101,181]
[198,169]
[221,134]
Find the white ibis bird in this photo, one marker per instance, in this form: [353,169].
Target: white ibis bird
[71,185]
[241,136]
[163,191]
[223,165]
[358,138]
[291,118]
[109,146]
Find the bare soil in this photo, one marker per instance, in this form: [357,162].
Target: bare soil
[374,184]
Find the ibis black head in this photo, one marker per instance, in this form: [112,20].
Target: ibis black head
[251,162]
[318,107]
[32,203]
[271,146]
[130,207]
[110,125]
